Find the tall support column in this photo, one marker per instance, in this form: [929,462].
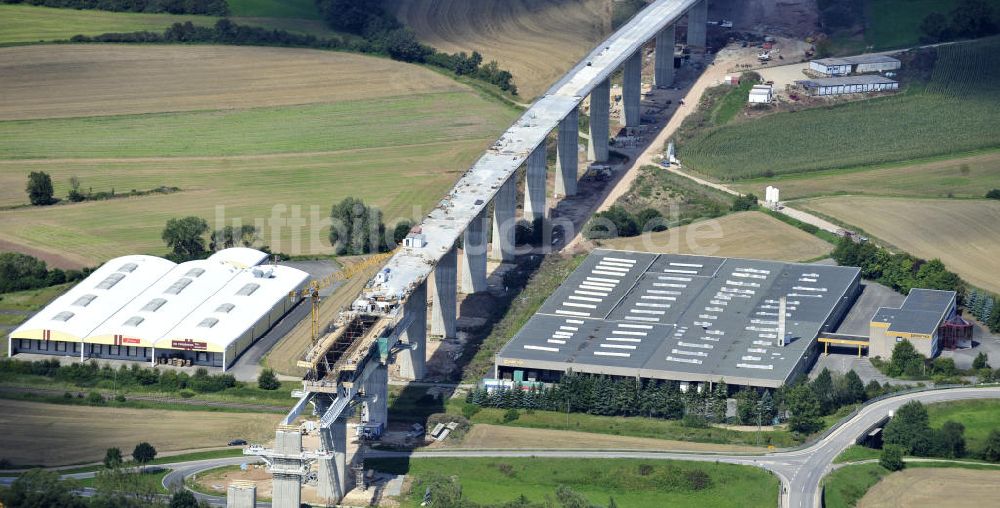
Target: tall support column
[503,222]
[332,476]
[665,57]
[241,494]
[377,397]
[534,185]
[474,256]
[413,360]
[444,297]
[697,24]
[600,102]
[632,92]
[568,154]
[286,483]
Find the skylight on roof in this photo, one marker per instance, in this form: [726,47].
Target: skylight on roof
[84,300]
[128,268]
[177,287]
[208,322]
[194,272]
[63,316]
[134,321]
[225,308]
[154,305]
[110,281]
[248,289]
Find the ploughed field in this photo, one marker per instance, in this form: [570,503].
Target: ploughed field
[536,40]
[963,233]
[927,486]
[55,434]
[259,134]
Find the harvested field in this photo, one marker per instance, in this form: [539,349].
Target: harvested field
[927,487]
[963,233]
[47,434]
[536,40]
[327,119]
[101,80]
[965,177]
[753,235]
[500,436]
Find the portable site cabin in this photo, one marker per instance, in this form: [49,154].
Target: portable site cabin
[761,94]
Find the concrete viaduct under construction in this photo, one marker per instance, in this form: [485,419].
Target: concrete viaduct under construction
[349,366]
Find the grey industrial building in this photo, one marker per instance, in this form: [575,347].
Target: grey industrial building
[848,84]
[682,318]
[859,64]
[919,320]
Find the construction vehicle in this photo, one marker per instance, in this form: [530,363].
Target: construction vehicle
[598,173]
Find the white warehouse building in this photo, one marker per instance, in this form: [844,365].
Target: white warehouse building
[848,84]
[859,64]
[144,308]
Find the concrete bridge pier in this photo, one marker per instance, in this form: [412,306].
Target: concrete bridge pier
[664,66]
[413,358]
[632,93]
[474,256]
[332,476]
[444,297]
[376,402]
[697,24]
[568,154]
[241,494]
[534,184]
[600,102]
[286,471]
[504,222]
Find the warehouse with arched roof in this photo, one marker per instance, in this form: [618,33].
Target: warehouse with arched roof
[147,309]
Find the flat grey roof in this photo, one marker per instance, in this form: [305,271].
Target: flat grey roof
[680,317]
[921,312]
[863,79]
[857,59]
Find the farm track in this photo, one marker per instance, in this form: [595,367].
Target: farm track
[537,41]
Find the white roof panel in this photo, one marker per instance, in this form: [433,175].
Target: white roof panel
[96,298]
[225,316]
[241,257]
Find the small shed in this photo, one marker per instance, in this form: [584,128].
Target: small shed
[761,94]
[731,79]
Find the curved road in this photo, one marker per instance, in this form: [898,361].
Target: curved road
[800,470]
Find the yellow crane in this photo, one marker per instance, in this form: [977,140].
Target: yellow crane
[311,291]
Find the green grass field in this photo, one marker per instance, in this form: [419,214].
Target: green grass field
[20,24]
[16,307]
[896,23]
[978,416]
[631,483]
[282,167]
[304,9]
[954,113]
[942,177]
[845,486]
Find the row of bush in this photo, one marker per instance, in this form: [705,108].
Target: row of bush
[802,404]
[205,7]
[910,433]
[19,272]
[901,271]
[907,362]
[91,375]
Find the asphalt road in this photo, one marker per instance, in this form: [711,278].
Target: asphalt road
[800,470]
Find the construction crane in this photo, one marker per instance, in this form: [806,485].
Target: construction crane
[311,291]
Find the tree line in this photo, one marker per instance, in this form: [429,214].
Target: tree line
[901,271]
[91,375]
[909,433]
[968,20]
[398,44]
[617,221]
[19,272]
[203,7]
[802,404]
